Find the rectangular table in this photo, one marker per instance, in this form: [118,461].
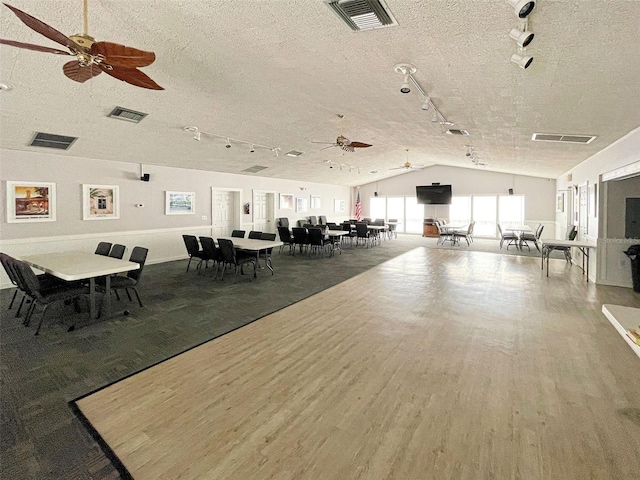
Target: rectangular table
[623,319]
[255,245]
[518,230]
[336,240]
[74,266]
[549,245]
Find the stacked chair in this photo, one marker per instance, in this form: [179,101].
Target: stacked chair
[234,258]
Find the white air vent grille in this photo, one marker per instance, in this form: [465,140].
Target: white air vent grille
[558,137]
[363,14]
[49,140]
[294,153]
[254,169]
[455,131]
[127,115]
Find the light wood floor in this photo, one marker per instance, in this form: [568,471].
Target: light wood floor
[434,365]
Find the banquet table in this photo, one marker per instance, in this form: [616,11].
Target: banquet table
[256,246]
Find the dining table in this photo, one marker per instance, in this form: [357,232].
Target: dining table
[74,266]
[336,239]
[549,245]
[449,229]
[256,246]
[518,230]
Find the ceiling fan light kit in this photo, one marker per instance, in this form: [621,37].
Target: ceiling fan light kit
[92,58]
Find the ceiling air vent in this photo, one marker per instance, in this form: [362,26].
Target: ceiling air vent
[363,14]
[293,153]
[50,140]
[127,115]
[558,137]
[254,169]
[455,131]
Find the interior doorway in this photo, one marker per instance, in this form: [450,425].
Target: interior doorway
[225,211]
[264,208]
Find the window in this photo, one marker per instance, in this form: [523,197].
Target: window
[510,210]
[484,214]
[395,209]
[460,210]
[377,207]
[415,215]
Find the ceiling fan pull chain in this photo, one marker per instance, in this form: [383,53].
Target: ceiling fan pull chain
[86,21]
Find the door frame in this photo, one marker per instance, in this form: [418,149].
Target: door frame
[237,213]
[271,206]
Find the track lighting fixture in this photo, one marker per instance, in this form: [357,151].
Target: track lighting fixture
[469,150]
[426,103]
[522,61]
[405,88]
[197,135]
[522,37]
[522,8]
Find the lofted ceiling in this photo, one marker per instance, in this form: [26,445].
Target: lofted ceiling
[276,73]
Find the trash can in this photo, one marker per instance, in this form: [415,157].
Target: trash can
[634,255]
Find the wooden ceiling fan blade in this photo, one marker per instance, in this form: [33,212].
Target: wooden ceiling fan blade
[359,145]
[31,46]
[122,56]
[132,76]
[43,29]
[78,73]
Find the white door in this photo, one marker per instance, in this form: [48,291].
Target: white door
[264,211]
[583,222]
[224,207]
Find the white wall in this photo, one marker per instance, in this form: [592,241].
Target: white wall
[608,264]
[148,226]
[539,192]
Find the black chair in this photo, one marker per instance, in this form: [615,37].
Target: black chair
[283,222]
[8,268]
[313,220]
[131,280]
[238,233]
[103,248]
[332,226]
[233,257]
[366,220]
[211,252]
[322,220]
[510,236]
[532,237]
[571,235]
[43,296]
[267,253]
[117,251]
[286,238]
[346,226]
[193,249]
[300,239]
[362,233]
[316,241]
[255,235]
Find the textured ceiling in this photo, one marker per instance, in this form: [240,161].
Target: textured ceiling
[275,72]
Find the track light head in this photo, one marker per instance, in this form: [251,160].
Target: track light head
[522,38]
[228,144]
[426,103]
[522,62]
[469,150]
[406,70]
[197,136]
[405,88]
[522,7]
[252,149]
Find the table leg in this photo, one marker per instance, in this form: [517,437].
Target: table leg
[107,296]
[92,298]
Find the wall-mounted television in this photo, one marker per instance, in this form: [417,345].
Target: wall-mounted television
[434,194]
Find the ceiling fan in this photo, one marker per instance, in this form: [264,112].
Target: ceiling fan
[92,57]
[408,165]
[343,142]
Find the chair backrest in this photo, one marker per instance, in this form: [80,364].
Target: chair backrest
[255,234]
[27,280]
[138,255]
[191,243]
[361,229]
[315,236]
[539,231]
[571,230]
[322,219]
[117,251]
[346,227]
[332,226]
[313,220]
[378,221]
[300,235]
[227,250]
[268,236]
[285,234]
[8,267]
[471,225]
[499,229]
[208,248]
[103,248]
[238,233]
[573,234]
[283,222]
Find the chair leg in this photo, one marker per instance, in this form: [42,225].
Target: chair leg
[27,317]
[13,298]
[44,310]
[136,292]
[20,307]
[189,264]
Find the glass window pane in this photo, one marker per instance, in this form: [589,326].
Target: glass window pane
[460,210]
[395,209]
[377,207]
[511,210]
[415,215]
[484,214]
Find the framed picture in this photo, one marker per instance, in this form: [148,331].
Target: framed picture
[560,202]
[29,202]
[179,203]
[286,201]
[100,202]
[301,205]
[315,201]
[338,205]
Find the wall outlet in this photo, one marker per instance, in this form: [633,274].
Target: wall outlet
[203,217]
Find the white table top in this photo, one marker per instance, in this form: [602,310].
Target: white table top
[623,319]
[253,244]
[71,266]
[567,243]
[337,233]
[518,228]
[376,227]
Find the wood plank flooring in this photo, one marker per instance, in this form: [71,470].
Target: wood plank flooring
[433,365]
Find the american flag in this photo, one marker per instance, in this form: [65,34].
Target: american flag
[358,207]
